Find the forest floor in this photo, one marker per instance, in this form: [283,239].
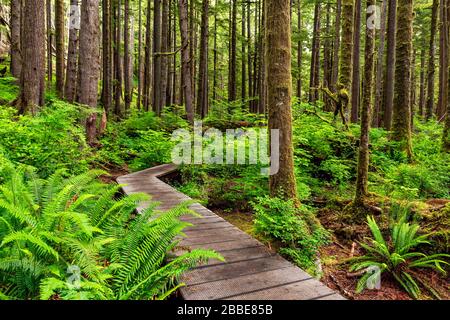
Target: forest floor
[334,255]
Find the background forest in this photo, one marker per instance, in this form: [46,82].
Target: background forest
[91,90]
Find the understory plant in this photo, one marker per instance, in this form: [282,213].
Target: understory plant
[76,238]
[299,232]
[398,257]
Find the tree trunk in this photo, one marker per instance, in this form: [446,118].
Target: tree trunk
[202,95]
[390,66]
[443,61]
[243,56]
[422,82]
[366,109]
[164,49]
[279,84]
[89,64]
[345,63]
[50,36]
[431,62]
[15,27]
[127,61]
[356,63]
[72,55]
[336,46]
[117,59]
[232,91]
[60,32]
[33,57]
[185,60]
[215,53]
[139,69]
[315,57]
[157,57]
[379,70]
[148,59]
[402,102]
[299,50]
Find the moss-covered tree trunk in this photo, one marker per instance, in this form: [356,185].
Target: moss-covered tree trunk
[345,62]
[279,86]
[15,25]
[390,66]
[401,130]
[366,110]
[60,31]
[431,57]
[446,136]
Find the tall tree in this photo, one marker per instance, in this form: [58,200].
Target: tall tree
[366,109]
[127,61]
[431,62]
[157,56]
[443,60]
[139,57]
[232,88]
[107,38]
[32,81]
[336,45]
[89,63]
[401,129]
[60,32]
[356,63]
[314,80]
[346,59]
[50,36]
[203,92]
[185,60]
[72,54]
[379,69]
[279,84]
[164,49]
[299,49]
[148,59]
[390,66]
[15,26]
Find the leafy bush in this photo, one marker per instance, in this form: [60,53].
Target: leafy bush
[77,225]
[52,140]
[397,256]
[297,230]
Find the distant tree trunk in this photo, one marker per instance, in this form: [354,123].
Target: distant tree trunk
[413,85]
[379,69]
[262,85]
[422,82]
[390,66]
[185,60]
[117,59]
[148,59]
[60,31]
[446,134]
[202,95]
[336,46]
[315,57]
[89,64]
[402,102]
[443,60]
[107,85]
[249,51]
[139,68]
[157,57]
[33,57]
[366,109]
[215,53]
[15,26]
[356,63]
[327,58]
[299,49]
[127,61]
[279,84]
[50,36]
[72,57]
[346,59]
[431,62]
[232,91]
[164,50]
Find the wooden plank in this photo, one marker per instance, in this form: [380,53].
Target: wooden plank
[244,284]
[235,269]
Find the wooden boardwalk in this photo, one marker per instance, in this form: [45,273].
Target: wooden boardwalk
[251,271]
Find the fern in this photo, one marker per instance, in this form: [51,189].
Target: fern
[395,256]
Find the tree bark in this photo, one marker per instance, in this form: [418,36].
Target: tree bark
[366,109]
[379,69]
[72,56]
[346,58]
[127,60]
[279,84]
[431,62]
[185,60]
[50,36]
[299,50]
[157,57]
[202,95]
[60,32]
[402,102]
[33,57]
[443,60]
[390,66]
[89,64]
[15,27]
[232,89]
[355,95]
[336,46]
[139,68]
[148,59]
[315,57]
